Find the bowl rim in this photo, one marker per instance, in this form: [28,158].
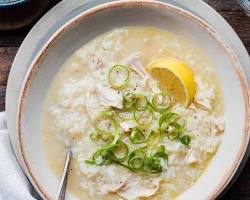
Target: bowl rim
[33,67]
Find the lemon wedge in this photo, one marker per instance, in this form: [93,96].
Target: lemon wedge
[174,76]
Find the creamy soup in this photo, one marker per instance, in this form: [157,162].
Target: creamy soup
[130,137]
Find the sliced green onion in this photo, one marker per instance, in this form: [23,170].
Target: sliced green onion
[170,124]
[102,157]
[133,101]
[161,102]
[90,162]
[129,100]
[173,131]
[120,150]
[124,165]
[141,102]
[153,165]
[143,117]
[166,118]
[107,137]
[185,140]
[153,139]
[136,159]
[161,152]
[118,77]
[137,136]
[94,136]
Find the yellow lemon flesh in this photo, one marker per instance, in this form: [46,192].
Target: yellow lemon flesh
[176,77]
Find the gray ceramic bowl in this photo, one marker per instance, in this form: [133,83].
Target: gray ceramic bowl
[94,21]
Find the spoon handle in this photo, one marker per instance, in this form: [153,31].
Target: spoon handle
[64,180]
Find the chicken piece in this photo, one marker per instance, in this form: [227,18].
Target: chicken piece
[193,156]
[204,94]
[97,61]
[216,126]
[105,179]
[127,125]
[151,84]
[134,61]
[99,97]
[92,105]
[172,146]
[135,189]
[218,123]
[114,186]
[108,97]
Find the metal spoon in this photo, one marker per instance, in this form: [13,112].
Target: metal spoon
[64,180]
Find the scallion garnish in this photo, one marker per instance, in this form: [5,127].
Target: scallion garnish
[137,136]
[133,101]
[118,77]
[170,124]
[161,152]
[166,118]
[185,140]
[144,117]
[94,136]
[102,157]
[136,159]
[141,102]
[151,157]
[129,100]
[120,150]
[153,165]
[161,102]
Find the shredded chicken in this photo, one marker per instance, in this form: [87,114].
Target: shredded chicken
[127,125]
[91,105]
[98,96]
[108,97]
[152,85]
[113,186]
[204,94]
[134,61]
[193,156]
[135,190]
[216,125]
[110,179]
[97,61]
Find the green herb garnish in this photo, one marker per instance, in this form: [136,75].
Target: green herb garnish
[151,156]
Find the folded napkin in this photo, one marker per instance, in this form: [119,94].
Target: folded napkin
[13,183]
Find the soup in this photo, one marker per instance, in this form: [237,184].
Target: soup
[142,110]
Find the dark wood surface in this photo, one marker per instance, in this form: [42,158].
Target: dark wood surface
[229,9]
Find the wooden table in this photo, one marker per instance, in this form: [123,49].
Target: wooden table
[229,9]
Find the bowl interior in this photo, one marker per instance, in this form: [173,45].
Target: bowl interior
[155,14]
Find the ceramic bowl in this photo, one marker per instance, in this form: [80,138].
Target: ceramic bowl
[94,21]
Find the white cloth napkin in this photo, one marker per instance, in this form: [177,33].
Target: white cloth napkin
[13,183]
